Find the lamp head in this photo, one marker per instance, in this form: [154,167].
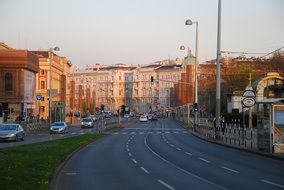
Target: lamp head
[188,22]
[56,48]
[182,48]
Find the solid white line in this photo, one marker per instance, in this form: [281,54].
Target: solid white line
[179,168]
[178,148]
[188,153]
[129,154]
[229,169]
[165,184]
[146,171]
[204,160]
[134,161]
[271,183]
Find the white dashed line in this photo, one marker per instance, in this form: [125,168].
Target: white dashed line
[176,132]
[124,133]
[272,183]
[129,154]
[134,161]
[146,171]
[167,132]
[71,173]
[172,145]
[165,184]
[178,148]
[188,153]
[116,133]
[127,149]
[204,160]
[229,169]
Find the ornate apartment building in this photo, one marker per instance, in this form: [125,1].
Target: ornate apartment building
[114,86]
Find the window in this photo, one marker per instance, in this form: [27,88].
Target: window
[42,72]
[42,84]
[8,82]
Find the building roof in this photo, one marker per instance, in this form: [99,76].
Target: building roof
[4,46]
[168,67]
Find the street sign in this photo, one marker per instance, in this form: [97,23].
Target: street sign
[39,97]
[248,93]
[248,101]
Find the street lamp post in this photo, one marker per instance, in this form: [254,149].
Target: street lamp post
[218,68]
[189,22]
[50,82]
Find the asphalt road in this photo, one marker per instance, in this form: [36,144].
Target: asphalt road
[162,155]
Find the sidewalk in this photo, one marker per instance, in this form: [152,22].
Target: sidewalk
[238,145]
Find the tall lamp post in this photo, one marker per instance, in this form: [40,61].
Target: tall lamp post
[50,82]
[218,68]
[189,22]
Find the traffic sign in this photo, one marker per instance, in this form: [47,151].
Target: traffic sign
[39,97]
[248,101]
[248,93]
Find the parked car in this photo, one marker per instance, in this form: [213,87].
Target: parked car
[143,118]
[87,122]
[11,132]
[126,115]
[58,127]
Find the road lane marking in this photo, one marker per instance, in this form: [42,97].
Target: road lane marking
[165,184]
[146,171]
[172,145]
[127,149]
[176,132]
[167,132]
[71,173]
[181,169]
[134,161]
[204,160]
[124,133]
[229,169]
[178,148]
[272,183]
[188,153]
[129,154]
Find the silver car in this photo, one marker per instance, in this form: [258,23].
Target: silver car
[58,127]
[11,132]
[87,122]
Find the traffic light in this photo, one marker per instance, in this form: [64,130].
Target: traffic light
[195,107]
[152,79]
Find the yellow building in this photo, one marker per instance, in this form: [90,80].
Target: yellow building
[54,74]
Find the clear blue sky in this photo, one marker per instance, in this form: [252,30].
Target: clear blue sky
[139,31]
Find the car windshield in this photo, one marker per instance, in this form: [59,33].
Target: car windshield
[58,124]
[87,120]
[8,127]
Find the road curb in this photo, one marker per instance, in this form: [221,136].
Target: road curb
[237,148]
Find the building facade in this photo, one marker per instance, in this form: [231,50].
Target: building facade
[18,70]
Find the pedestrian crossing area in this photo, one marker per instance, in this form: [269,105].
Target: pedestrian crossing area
[150,132]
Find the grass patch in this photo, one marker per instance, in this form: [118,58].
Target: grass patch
[32,166]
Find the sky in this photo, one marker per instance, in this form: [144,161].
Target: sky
[140,31]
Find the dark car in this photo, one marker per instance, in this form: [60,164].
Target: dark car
[11,132]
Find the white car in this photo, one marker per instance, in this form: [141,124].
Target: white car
[143,118]
[58,127]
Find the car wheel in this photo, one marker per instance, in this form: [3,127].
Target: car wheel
[17,138]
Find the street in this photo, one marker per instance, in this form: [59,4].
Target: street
[162,155]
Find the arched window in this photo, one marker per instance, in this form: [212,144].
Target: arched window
[8,82]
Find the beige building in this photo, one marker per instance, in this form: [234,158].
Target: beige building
[121,84]
[59,68]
